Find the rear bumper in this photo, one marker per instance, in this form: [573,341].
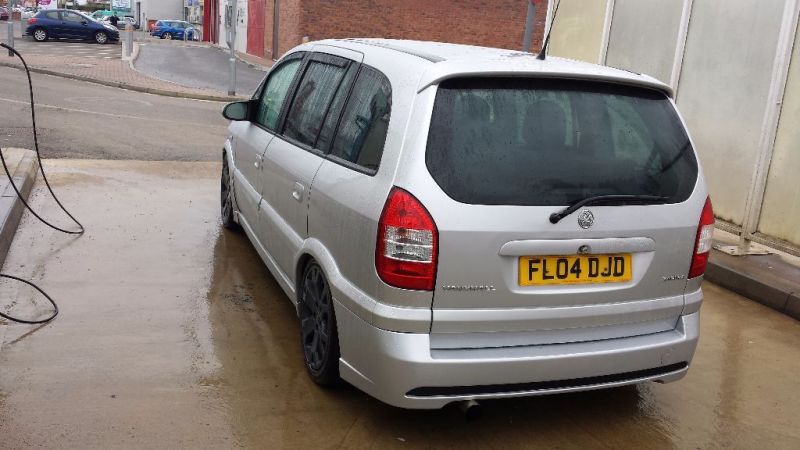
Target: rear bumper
[401,369]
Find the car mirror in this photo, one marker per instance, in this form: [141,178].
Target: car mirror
[237,111]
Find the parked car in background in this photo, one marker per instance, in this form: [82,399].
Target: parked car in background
[27,13]
[4,14]
[455,223]
[67,24]
[173,29]
[98,15]
[121,23]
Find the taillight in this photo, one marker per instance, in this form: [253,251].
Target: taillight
[702,244]
[407,249]
[31,21]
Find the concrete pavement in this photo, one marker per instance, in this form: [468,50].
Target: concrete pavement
[195,66]
[58,58]
[174,335]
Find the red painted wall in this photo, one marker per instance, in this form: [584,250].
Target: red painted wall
[255,27]
[211,21]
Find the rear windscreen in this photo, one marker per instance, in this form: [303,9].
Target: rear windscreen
[555,142]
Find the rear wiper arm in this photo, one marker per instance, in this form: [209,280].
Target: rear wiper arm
[557,216]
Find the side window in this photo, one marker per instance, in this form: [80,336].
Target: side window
[72,17]
[53,15]
[274,94]
[335,111]
[311,100]
[363,127]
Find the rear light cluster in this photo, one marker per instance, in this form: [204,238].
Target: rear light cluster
[32,21]
[702,244]
[407,250]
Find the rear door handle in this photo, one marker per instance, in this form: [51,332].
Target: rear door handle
[297,192]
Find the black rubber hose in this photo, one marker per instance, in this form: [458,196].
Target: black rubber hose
[28,207]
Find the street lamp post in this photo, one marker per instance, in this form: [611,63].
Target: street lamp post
[230,22]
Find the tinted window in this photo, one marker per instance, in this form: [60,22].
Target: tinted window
[52,15]
[549,142]
[314,94]
[274,93]
[335,110]
[363,126]
[72,17]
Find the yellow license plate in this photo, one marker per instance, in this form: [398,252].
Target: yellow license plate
[577,269]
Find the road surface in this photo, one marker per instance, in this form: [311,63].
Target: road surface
[195,66]
[84,120]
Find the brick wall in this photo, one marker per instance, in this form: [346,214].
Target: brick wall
[492,23]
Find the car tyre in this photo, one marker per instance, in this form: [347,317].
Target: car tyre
[40,35]
[101,37]
[318,331]
[167,36]
[226,197]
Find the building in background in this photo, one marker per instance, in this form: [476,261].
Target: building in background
[268,28]
[148,12]
[735,69]
[193,11]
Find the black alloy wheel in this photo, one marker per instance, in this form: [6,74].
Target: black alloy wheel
[226,196]
[318,330]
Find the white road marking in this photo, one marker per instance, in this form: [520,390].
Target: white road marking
[84,111]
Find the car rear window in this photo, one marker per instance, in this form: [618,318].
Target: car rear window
[538,142]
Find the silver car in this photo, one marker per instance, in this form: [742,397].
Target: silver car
[457,223]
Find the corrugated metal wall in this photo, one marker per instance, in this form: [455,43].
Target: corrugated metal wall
[724,58]
[781,214]
[578,30]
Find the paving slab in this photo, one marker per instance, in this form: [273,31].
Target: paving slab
[23,166]
[766,279]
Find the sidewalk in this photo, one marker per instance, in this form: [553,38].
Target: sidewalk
[772,280]
[195,65]
[108,72]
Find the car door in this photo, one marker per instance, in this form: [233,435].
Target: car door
[56,27]
[75,26]
[251,138]
[294,156]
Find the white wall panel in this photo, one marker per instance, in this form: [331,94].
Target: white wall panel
[643,36]
[578,30]
[780,215]
[723,91]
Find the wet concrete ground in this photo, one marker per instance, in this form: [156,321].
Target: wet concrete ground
[174,335]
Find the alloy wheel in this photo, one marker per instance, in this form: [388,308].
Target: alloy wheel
[226,196]
[315,319]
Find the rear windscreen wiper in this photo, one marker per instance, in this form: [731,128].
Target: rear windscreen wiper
[618,199]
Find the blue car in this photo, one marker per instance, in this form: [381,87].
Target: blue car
[173,29]
[67,24]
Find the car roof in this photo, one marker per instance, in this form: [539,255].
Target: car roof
[438,61]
